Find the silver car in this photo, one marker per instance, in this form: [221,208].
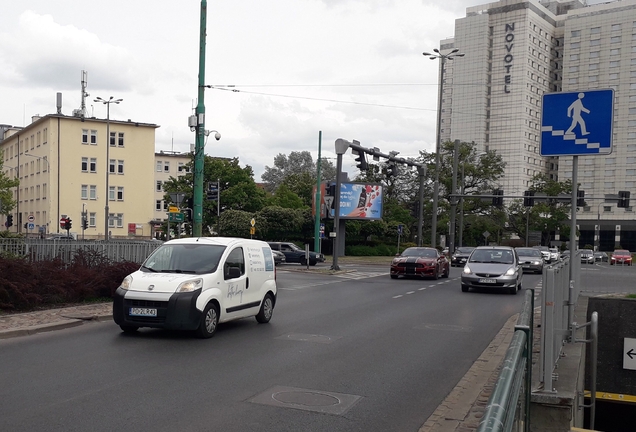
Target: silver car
[530,259]
[493,267]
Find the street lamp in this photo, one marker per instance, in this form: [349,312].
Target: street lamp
[48,166]
[107,103]
[443,57]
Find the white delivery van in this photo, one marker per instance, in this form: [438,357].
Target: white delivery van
[196,283]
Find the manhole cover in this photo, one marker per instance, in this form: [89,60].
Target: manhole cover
[307,400]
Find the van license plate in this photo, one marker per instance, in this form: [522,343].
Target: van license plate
[488,281]
[142,312]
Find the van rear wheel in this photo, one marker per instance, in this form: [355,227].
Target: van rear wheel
[209,321]
[267,309]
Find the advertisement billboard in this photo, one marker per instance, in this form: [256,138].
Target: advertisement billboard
[360,201]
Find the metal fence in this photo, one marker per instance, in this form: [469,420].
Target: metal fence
[41,250]
[508,408]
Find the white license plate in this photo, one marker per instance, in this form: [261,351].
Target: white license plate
[142,312]
[526,266]
[488,281]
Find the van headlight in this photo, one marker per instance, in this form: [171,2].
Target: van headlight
[125,284]
[466,270]
[191,285]
[511,271]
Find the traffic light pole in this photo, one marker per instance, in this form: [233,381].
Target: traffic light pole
[317,199]
[199,154]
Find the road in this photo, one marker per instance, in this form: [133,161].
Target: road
[355,352]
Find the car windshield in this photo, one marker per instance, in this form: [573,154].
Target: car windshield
[464,250]
[587,252]
[492,256]
[621,252]
[184,258]
[529,252]
[424,253]
[542,248]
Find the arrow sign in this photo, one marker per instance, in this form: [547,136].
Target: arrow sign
[629,353]
[329,202]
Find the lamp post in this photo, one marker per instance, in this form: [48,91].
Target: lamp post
[442,57]
[48,166]
[106,209]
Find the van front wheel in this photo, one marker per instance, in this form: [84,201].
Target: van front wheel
[267,309]
[209,321]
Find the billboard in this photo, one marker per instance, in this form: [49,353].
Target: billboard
[360,201]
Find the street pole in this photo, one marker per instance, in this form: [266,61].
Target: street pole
[438,146]
[341,148]
[573,245]
[199,155]
[318,199]
[461,207]
[420,211]
[218,207]
[451,243]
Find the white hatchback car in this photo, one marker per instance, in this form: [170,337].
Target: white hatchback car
[196,283]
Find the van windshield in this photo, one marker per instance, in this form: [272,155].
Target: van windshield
[184,258]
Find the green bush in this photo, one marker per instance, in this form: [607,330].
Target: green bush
[364,250]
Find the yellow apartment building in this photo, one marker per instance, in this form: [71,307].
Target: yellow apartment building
[62,164]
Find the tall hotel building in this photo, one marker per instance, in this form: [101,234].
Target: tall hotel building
[517,50]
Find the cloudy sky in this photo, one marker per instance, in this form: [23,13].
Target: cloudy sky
[352,69]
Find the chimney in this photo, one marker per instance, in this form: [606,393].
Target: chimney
[59,103]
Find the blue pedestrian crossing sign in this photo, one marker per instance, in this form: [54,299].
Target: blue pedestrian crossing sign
[577,123]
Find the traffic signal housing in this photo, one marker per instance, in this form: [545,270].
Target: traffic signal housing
[623,199]
[331,190]
[497,200]
[84,223]
[9,220]
[580,198]
[69,224]
[528,198]
[361,159]
[391,169]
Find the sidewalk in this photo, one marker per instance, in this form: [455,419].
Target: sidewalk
[461,411]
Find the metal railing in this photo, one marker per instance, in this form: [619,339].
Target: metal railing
[508,408]
[41,250]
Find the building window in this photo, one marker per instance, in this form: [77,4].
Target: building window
[166,166]
[111,193]
[575,33]
[608,185]
[610,173]
[573,80]
[595,54]
[594,66]
[115,220]
[111,220]
[84,194]
[91,219]
[120,167]
[111,166]
[92,192]
[614,64]
[84,164]
[575,45]
[613,76]
[159,166]
[630,172]
[593,78]
[631,147]
[595,30]
[158,205]
[159,187]
[93,137]
[112,139]
[84,136]
[120,193]
[615,39]
[632,111]
[93,165]
[165,205]
[616,27]
[615,52]
[595,42]
[574,57]
[573,69]
[120,139]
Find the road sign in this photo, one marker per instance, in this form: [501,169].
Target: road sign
[173,209]
[400,228]
[329,203]
[31,218]
[252,230]
[577,123]
[253,222]
[176,217]
[31,225]
[629,353]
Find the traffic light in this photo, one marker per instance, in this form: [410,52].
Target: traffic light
[415,208]
[69,224]
[9,221]
[84,223]
[528,198]
[391,169]
[497,200]
[331,190]
[580,201]
[623,199]
[361,159]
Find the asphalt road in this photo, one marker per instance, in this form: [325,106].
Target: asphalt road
[342,353]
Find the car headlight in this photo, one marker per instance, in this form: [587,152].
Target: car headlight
[466,270]
[511,271]
[191,285]
[125,284]
[536,262]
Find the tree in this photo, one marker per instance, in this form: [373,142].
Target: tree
[7,203]
[284,197]
[296,163]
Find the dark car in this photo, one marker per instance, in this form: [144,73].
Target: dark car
[493,267]
[295,254]
[422,262]
[279,257]
[461,255]
[601,256]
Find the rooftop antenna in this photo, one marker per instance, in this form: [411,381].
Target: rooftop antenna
[81,112]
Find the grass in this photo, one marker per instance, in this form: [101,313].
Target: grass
[631,296]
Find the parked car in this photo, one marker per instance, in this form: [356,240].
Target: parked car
[493,267]
[587,256]
[197,283]
[420,261]
[295,254]
[621,256]
[279,257]
[60,237]
[545,251]
[461,255]
[530,259]
[565,254]
[601,256]
[554,254]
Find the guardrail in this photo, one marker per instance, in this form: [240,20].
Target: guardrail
[41,250]
[509,404]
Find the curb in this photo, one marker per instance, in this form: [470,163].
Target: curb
[57,325]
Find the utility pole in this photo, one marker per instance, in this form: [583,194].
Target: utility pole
[199,149]
[453,198]
[318,199]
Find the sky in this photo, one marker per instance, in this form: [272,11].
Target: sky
[351,69]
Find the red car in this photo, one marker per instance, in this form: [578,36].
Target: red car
[621,256]
[422,262]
